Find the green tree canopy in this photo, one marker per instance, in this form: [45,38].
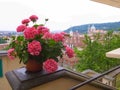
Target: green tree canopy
[2,40]
[93,55]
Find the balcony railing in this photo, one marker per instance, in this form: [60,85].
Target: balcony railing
[8,65]
[94,78]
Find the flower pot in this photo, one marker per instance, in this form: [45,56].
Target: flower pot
[33,66]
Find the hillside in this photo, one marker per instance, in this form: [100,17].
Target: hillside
[104,26]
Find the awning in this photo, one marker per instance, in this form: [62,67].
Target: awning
[114,53]
[114,3]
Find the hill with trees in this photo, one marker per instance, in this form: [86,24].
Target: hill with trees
[101,26]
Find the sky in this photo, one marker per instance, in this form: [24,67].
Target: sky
[62,14]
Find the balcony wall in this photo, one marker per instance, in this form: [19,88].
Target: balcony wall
[7,65]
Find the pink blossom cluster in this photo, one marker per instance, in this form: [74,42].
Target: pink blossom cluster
[33,18]
[42,29]
[50,65]
[25,22]
[58,37]
[30,33]
[69,52]
[11,53]
[63,33]
[47,35]
[21,28]
[34,48]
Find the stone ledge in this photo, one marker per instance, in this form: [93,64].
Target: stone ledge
[19,79]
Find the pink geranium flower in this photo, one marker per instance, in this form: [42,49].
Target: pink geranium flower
[21,28]
[34,48]
[47,35]
[33,18]
[63,33]
[25,21]
[58,37]
[42,29]
[50,65]
[30,33]
[69,52]
[11,53]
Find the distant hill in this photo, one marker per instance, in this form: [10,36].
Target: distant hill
[104,26]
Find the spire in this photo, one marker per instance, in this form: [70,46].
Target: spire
[88,29]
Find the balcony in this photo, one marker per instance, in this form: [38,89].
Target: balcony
[63,79]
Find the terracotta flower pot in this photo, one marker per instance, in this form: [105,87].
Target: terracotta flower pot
[33,66]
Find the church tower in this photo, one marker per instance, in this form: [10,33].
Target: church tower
[91,28]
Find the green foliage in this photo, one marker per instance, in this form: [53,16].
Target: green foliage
[2,40]
[93,55]
[118,81]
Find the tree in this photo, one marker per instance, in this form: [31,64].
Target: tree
[93,55]
[2,40]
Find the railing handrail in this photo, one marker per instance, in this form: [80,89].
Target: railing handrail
[3,52]
[94,78]
[4,44]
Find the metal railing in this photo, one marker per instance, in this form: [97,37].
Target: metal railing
[94,78]
[3,53]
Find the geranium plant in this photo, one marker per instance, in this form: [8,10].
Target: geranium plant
[37,43]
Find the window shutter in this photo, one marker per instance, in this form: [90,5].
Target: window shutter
[1,68]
